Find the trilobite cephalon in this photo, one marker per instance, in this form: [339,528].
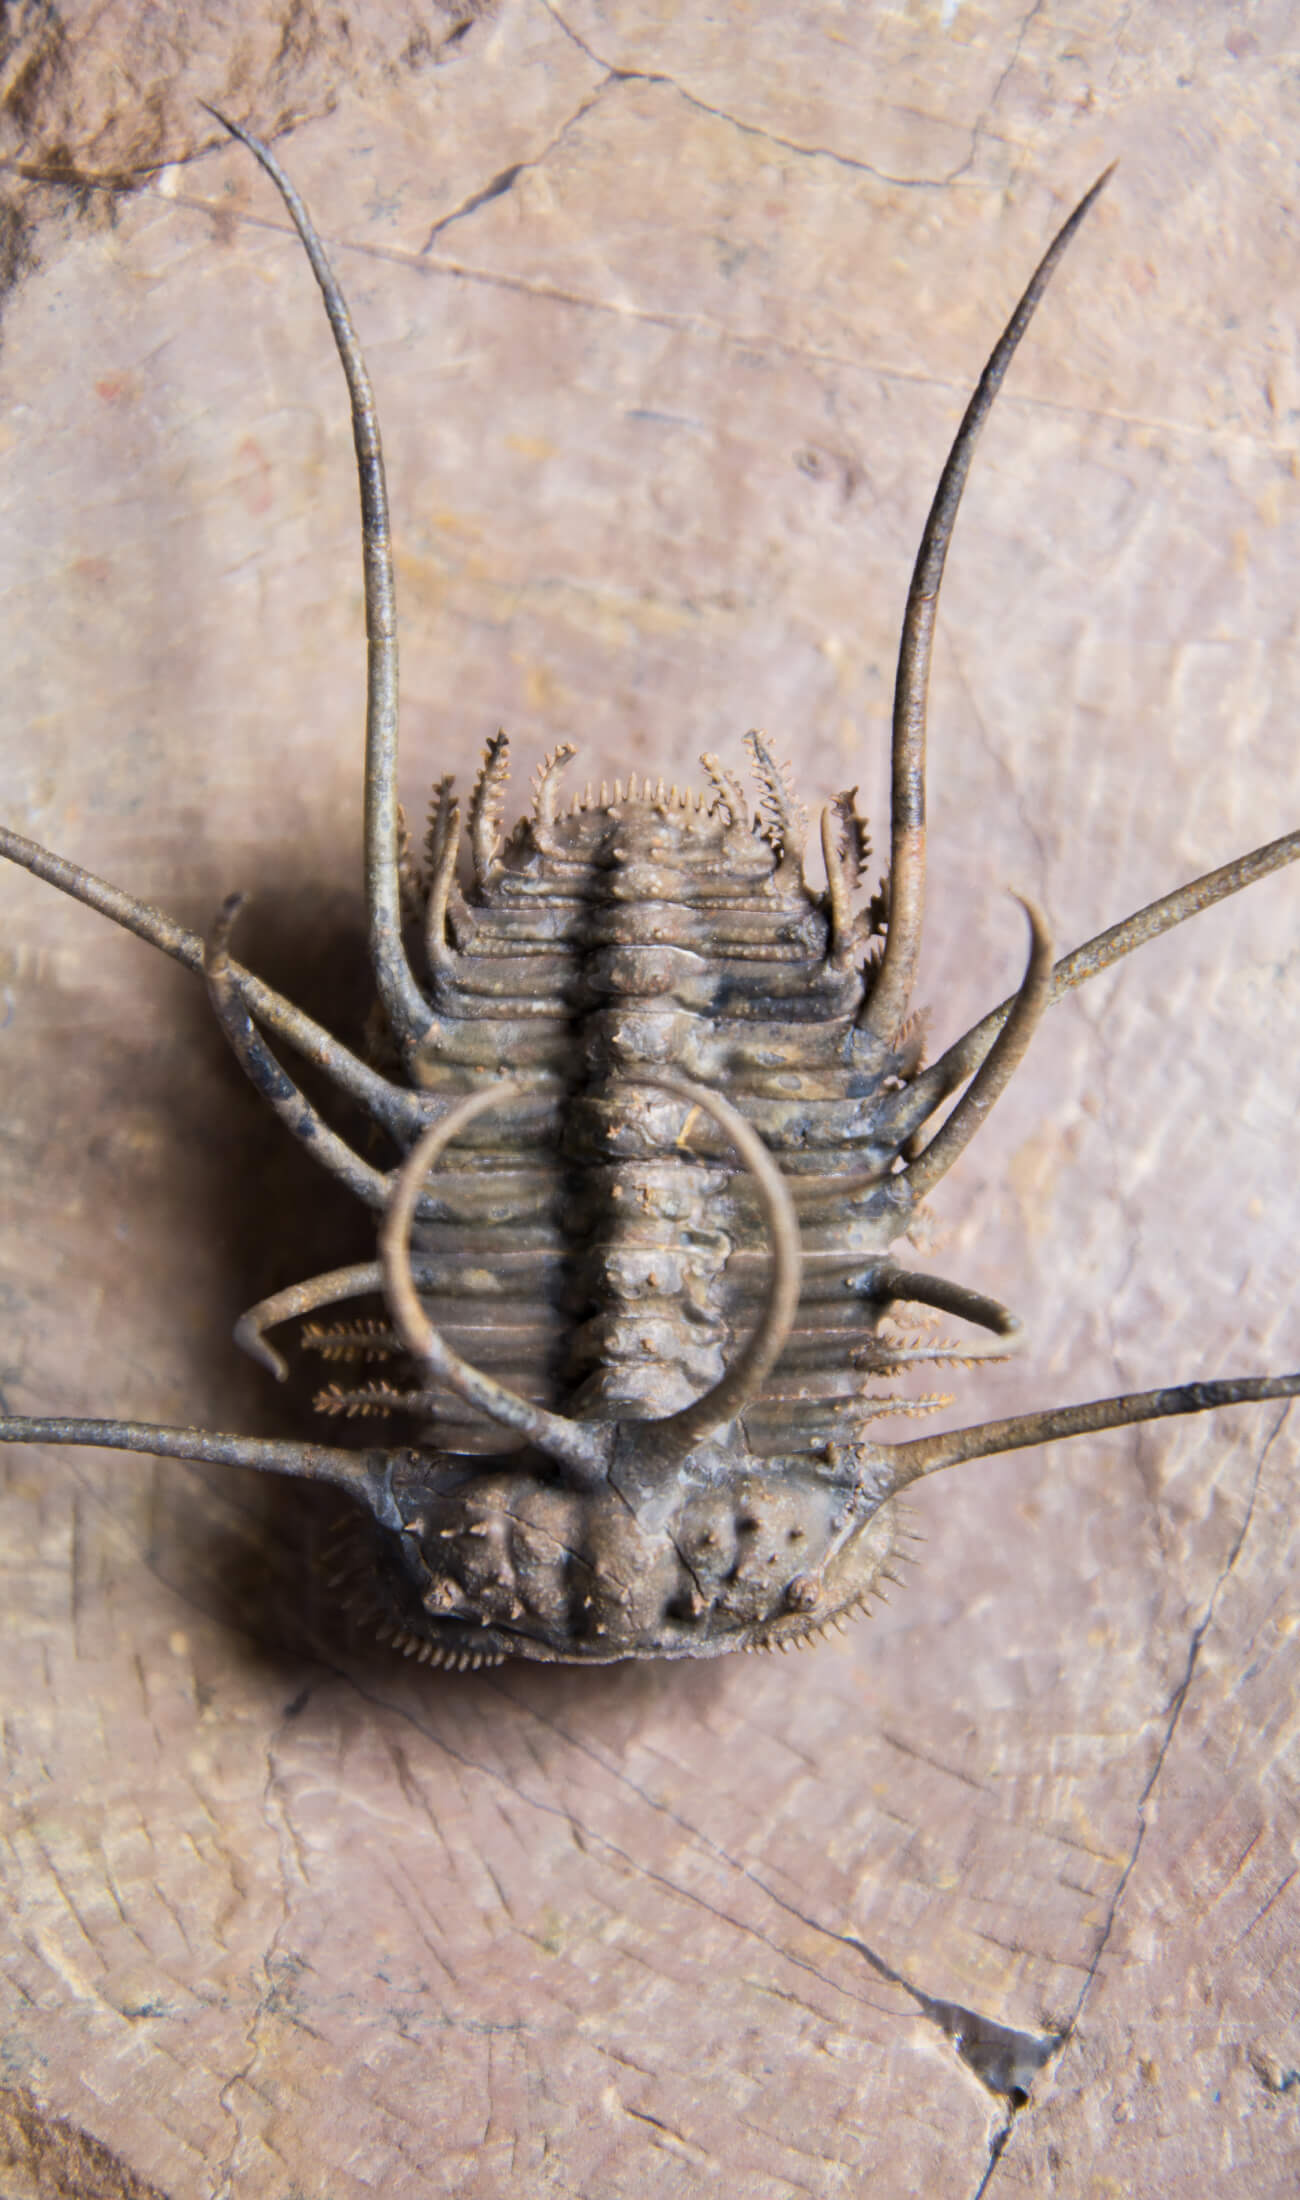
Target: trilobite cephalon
[662,1115]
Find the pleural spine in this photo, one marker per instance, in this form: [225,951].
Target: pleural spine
[487,808]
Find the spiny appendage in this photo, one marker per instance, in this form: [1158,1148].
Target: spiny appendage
[825,1387]
[781,822]
[895,1345]
[858,935]
[874,921]
[782,818]
[542,829]
[413,887]
[909,1046]
[487,808]
[441,802]
[795,1414]
[426,1652]
[442,1421]
[365,1339]
[370,1400]
[653,795]
[369,1340]
[853,835]
[546,790]
[446,916]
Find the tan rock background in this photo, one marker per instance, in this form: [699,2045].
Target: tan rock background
[671,313]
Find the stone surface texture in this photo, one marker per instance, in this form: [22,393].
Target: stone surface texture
[671,313]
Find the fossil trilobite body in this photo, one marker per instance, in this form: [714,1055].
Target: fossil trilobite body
[660,1115]
[593,1243]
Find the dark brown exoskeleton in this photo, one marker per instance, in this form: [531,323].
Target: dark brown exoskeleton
[658,1095]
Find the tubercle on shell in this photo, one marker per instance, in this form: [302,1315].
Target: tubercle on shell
[674,1096]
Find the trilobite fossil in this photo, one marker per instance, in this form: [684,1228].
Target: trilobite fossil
[659,1113]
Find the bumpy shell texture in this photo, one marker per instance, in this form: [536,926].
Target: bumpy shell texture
[595,1245]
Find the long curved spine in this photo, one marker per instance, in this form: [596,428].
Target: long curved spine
[363,1474]
[996,1071]
[267,1077]
[924,1455]
[887,1003]
[586,1449]
[399,1110]
[408,1012]
[965,1056]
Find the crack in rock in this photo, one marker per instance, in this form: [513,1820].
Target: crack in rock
[1005,2061]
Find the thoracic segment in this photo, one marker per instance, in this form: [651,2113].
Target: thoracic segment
[601,1248]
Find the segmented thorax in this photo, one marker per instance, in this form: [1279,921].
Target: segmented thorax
[597,1245]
